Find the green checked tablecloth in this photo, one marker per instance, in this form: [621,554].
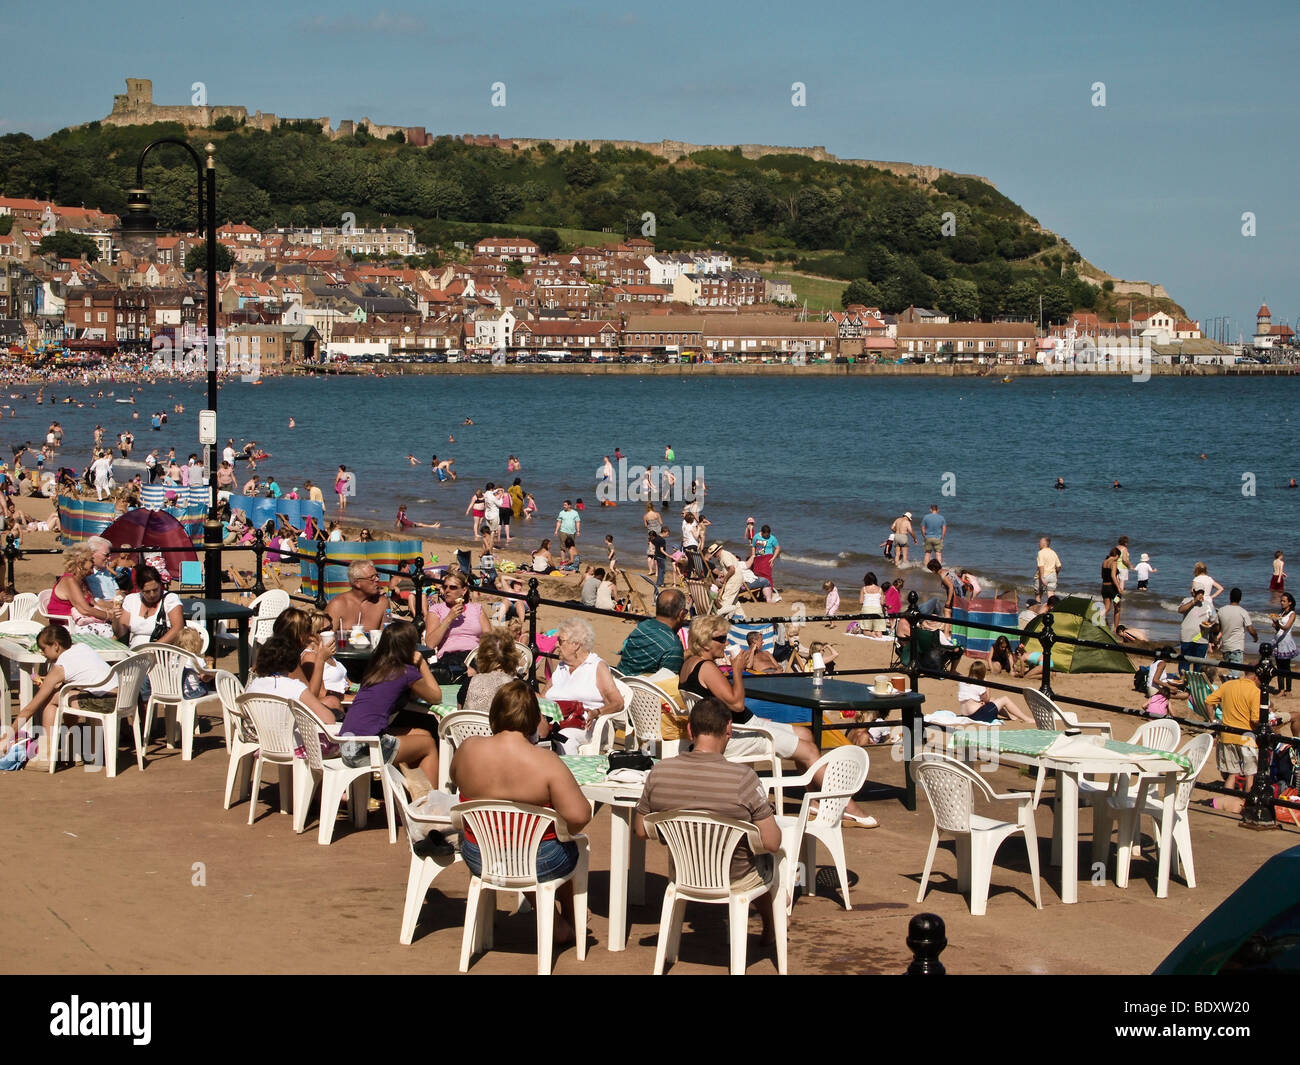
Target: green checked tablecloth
[550,709]
[99,644]
[1034,742]
[587,768]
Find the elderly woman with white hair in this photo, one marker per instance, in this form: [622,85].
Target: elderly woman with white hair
[582,685]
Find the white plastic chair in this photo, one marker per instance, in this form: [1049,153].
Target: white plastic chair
[949,785]
[701,846]
[272,720]
[1197,751]
[508,835]
[41,613]
[453,730]
[525,659]
[1049,716]
[242,749]
[228,686]
[605,733]
[424,867]
[1161,735]
[198,627]
[266,608]
[24,606]
[129,673]
[337,779]
[165,690]
[644,714]
[846,771]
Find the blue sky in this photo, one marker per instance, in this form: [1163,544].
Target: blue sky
[1199,124]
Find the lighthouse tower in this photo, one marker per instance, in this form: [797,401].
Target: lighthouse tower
[1263,327]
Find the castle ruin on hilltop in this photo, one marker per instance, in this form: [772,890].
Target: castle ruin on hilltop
[135,107]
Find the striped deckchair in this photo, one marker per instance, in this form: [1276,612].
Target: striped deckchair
[739,634]
[188,505]
[381,552]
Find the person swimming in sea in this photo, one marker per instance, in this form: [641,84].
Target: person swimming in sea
[1060,483]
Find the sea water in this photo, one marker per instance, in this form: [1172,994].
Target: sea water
[828,462]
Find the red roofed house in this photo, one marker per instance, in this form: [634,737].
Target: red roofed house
[597,338]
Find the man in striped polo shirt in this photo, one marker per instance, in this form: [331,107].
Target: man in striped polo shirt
[654,644]
[703,779]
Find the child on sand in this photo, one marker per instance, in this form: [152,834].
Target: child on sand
[832,601]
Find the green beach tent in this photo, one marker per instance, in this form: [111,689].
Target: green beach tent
[1070,618]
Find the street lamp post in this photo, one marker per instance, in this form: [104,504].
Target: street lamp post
[139,232]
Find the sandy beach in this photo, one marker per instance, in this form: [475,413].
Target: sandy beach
[101,867]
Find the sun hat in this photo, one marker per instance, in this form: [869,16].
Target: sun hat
[1145,557]
[907,513]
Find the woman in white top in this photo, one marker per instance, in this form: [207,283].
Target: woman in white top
[1285,647]
[872,603]
[149,615]
[605,594]
[280,672]
[973,700]
[583,681]
[335,685]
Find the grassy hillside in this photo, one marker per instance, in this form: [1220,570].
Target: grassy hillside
[958,243]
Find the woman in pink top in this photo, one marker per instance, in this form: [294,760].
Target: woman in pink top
[453,625]
[70,591]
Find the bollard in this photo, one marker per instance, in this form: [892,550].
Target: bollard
[926,939]
[1259,812]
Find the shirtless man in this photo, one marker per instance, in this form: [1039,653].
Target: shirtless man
[364,600]
[902,529]
[442,468]
[761,661]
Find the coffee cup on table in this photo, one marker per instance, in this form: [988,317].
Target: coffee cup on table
[882,685]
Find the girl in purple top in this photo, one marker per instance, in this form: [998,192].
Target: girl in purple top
[397,671]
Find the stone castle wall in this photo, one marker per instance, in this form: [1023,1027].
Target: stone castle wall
[136,107]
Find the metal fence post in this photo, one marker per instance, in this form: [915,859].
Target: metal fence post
[259,548]
[533,600]
[11,553]
[914,640]
[321,597]
[417,601]
[1047,637]
[1258,813]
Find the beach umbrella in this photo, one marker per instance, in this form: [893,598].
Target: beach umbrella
[153,528]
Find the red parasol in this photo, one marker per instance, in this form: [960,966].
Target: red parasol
[153,528]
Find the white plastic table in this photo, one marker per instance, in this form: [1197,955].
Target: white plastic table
[626,852]
[21,650]
[1156,769]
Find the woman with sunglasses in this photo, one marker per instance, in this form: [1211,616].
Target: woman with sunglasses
[453,624]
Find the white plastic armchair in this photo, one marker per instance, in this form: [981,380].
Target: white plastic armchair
[227,686]
[165,690]
[508,835]
[271,717]
[453,730]
[845,772]
[762,752]
[241,743]
[266,608]
[702,846]
[644,711]
[23,607]
[950,787]
[129,674]
[1161,735]
[1049,716]
[336,778]
[1197,751]
[604,731]
[425,866]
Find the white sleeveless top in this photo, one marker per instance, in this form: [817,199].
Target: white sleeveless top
[577,685]
[871,603]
